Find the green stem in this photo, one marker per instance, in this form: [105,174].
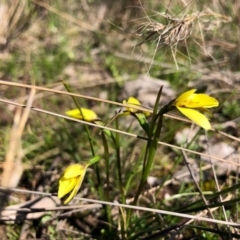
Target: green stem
[152,143]
[94,159]
[90,142]
[119,172]
[119,167]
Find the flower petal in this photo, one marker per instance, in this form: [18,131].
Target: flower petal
[66,186]
[74,170]
[181,100]
[190,99]
[85,114]
[134,102]
[75,189]
[196,117]
[71,180]
[202,100]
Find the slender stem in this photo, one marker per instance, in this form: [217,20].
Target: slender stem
[119,167]
[106,157]
[198,187]
[86,127]
[215,177]
[148,158]
[119,172]
[90,142]
[152,143]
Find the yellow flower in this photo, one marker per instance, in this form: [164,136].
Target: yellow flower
[140,115]
[85,114]
[193,105]
[131,102]
[70,181]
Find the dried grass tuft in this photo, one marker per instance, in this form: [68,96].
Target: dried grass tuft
[169,34]
[176,30]
[16,17]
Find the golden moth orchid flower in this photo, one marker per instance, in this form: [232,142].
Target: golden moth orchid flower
[85,114]
[72,178]
[193,105]
[131,102]
[70,181]
[140,115]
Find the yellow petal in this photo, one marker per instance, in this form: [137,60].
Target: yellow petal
[74,170]
[75,189]
[71,178]
[202,100]
[85,114]
[131,102]
[190,99]
[134,102]
[180,101]
[196,117]
[66,186]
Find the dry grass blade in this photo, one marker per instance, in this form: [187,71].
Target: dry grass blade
[15,17]
[80,23]
[71,94]
[170,34]
[12,167]
[179,31]
[197,186]
[37,207]
[198,218]
[121,132]
[203,213]
[153,190]
[175,31]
